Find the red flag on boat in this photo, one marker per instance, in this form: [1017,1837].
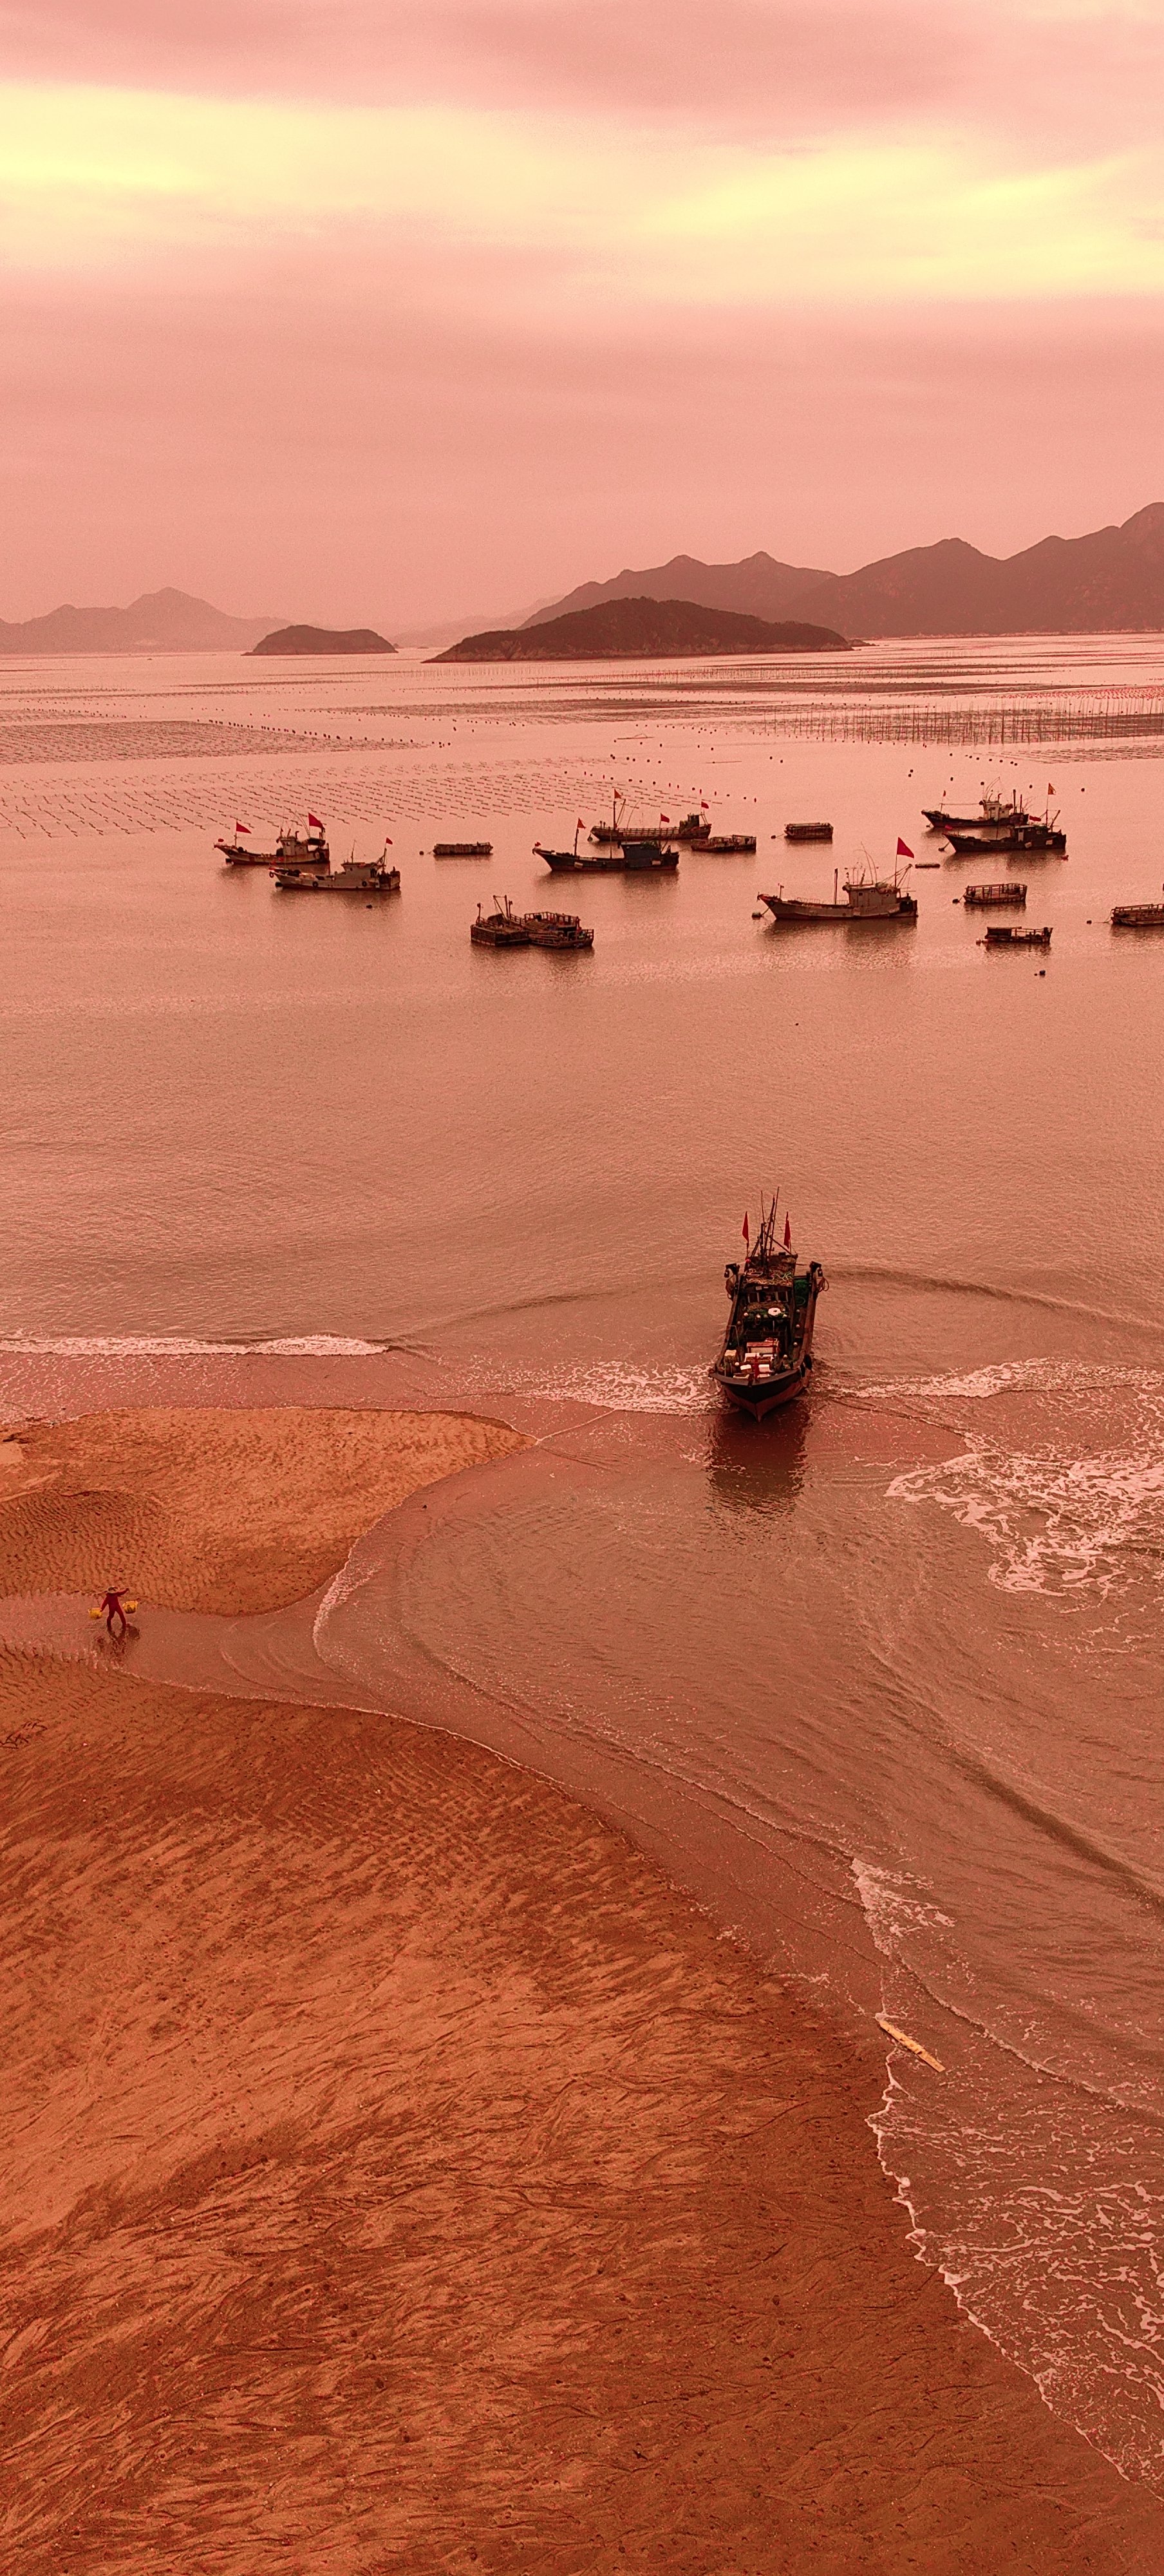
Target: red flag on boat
[1050,789]
[787,1233]
[242,827]
[702,807]
[747,1237]
[903,849]
[315,823]
[664,818]
[387,840]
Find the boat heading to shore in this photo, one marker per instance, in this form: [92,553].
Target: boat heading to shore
[1011,890]
[766,1355]
[808,831]
[1002,934]
[462,849]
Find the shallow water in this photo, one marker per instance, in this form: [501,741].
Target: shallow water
[881,1681]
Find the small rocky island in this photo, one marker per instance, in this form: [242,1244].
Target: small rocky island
[644,630]
[324,639]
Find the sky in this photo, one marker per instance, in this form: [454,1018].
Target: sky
[386,311]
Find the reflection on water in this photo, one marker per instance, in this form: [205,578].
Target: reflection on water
[758,1467]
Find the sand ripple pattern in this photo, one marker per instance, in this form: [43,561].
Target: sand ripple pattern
[213,1509]
[397,2175]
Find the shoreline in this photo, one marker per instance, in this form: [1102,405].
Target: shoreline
[379,2000]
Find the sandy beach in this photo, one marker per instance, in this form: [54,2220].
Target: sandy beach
[398,2172]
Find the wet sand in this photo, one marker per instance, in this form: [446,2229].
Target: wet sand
[397,2171]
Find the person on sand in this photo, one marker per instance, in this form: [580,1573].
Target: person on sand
[111,1605]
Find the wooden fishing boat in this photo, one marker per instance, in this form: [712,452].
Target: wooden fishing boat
[1034,835]
[992,811]
[619,858]
[462,849]
[503,928]
[693,830]
[765,1358]
[867,898]
[557,930]
[721,843]
[1031,842]
[1138,916]
[237,855]
[357,876]
[1011,890]
[808,831]
[1002,934]
[292,849]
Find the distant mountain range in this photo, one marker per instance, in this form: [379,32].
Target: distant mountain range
[323,639]
[1102,583]
[626,629]
[162,621]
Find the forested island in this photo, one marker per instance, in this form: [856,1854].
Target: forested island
[324,639]
[644,630]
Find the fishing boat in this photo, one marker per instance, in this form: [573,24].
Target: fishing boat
[1034,838]
[556,930]
[618,858]
[612,831]
[867,898]
[1002,934]
[992,811]
[503,928]
[721,843]
[237,855]
[1010,891]
[766,1355]
[357,876]
[808,831]
[462,849]
[291,850]
[1138,916]
[694,829]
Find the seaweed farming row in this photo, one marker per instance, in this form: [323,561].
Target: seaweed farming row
[1115,715]
[132,799]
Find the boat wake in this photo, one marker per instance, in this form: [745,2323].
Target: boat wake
[136,1346]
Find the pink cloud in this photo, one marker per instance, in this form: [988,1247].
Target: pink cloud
[782,68]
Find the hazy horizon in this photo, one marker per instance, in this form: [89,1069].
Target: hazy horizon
[393,320]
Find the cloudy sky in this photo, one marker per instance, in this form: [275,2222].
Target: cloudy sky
[387,309]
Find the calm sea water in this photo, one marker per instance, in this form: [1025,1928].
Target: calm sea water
[880,1681]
